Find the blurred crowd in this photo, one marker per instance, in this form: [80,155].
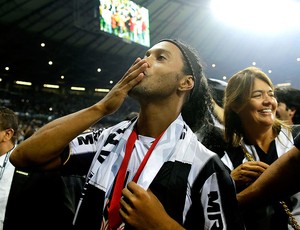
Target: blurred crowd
[36,108]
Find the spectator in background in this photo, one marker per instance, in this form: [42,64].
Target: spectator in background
[182,179]
[8,138]
[28,200]
[212,135]
[218,88]
[288,109]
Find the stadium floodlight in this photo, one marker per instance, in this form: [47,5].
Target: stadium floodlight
[266,16]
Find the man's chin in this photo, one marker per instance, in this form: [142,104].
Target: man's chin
[137,92]
[133,92]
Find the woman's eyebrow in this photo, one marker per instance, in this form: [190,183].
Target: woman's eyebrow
[262,91]
[258,91]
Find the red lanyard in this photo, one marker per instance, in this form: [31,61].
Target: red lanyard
[113,210]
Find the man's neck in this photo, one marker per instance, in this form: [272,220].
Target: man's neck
[156,116]
[154,123]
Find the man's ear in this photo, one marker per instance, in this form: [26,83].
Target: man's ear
[292,111]
[186,83]
[9,133]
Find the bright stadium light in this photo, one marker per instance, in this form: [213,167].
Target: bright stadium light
[77,88]
[51,86]
[23,83]
[270,16]
[100,90]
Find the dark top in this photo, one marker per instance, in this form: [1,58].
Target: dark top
[41,201]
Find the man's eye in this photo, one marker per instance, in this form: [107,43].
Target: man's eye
[160,57]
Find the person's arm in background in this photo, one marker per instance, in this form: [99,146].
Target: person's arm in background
[218,111]
[43,149]
[279,180]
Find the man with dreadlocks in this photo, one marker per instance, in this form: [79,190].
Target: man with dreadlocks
[156,153]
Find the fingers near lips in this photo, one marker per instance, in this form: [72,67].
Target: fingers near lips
[138,69]
[134,67]
[136,76]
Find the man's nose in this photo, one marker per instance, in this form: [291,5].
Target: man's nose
[148,60]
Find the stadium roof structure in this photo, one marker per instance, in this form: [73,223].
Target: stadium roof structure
[78,49]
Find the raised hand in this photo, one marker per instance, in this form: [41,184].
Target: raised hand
[114,99]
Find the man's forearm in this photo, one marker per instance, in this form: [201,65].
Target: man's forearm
[46,145]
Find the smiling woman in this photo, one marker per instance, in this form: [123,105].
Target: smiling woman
[247,89]
[256,138]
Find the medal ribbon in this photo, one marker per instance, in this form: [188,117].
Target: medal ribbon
[114,217]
